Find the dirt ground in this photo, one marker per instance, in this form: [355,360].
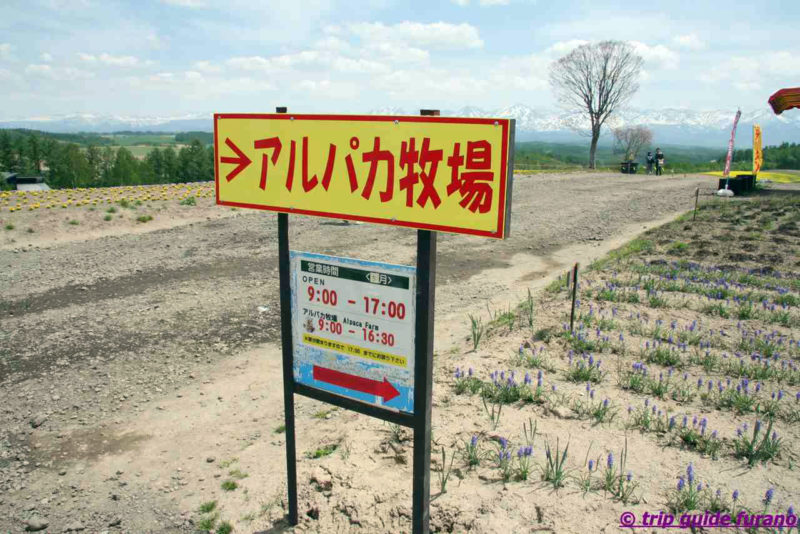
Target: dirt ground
[140,365]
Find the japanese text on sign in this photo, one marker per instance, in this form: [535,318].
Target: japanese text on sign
[353,328]
[425,172]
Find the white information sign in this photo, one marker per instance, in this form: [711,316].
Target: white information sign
[353,328]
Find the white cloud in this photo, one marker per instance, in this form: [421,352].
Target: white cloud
[47,58]
[565,47]
[439,35]
[769,69]
[113,61]
[258,63]
[44,70]
[658,56]
[689,42]
[206,66]
[118,61]
[54,73]
[5,50]
[464,3]
[185,3]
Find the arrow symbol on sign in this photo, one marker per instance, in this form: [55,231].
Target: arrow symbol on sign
[383,389]
[242,161]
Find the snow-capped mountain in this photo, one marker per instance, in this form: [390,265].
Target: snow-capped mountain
[670,126]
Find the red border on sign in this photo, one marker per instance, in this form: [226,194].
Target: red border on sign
[505,123]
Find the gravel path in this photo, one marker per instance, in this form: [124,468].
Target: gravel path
[96,332]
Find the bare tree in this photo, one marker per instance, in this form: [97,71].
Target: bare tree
[596,79]
[630,140]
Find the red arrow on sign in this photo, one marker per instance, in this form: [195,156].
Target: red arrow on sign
[357,383]
[241,161]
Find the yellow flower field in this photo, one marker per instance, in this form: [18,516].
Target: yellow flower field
[779,177]
[11,201]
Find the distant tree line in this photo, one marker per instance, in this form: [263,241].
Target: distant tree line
[68,164]
[783,156]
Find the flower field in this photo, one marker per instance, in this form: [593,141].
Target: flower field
[13,201]
[677,389]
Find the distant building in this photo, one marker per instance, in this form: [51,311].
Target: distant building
[26,183]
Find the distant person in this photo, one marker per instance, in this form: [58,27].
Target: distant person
[659,162]
[651,160]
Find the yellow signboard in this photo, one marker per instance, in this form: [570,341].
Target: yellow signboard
[437,173]
[758,155]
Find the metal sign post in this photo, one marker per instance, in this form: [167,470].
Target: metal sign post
[323,356]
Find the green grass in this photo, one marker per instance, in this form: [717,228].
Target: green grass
[639,245]
[144,218]
[229,485]
[321,452]
[9,226]
[225,528]
[280,429]
[112,209]
[189,201]
[208,522]
[74,222]
[237,474]
[208,507]
[108,217]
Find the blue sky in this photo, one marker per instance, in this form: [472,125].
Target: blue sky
[173,57]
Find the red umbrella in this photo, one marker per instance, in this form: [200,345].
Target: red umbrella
[785,99]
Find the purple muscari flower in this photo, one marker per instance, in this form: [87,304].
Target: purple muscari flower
[694,423]
[527,379]
[773,395]
[768,496]
[503,443]
[790,510]
[710,384]
[458,372]
[699,486]
[685,421]
[591,394]
[630,409]
[520,452]
[774,435]
[591,465]
[719,493]
[588,386]
[780,394]
[681,484]
[553,388]
[699,383]
[672,422]
[539,374]
[654,408]
[610,461]
[714,434]
[529,450]
[591,360]
[474,441]
[685,376]
[520,350]
[539,382]
[629,476]
[758,387]
[758,426]
[735,495]
[797,397]
[605,403]
[647,402]
[690,473]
